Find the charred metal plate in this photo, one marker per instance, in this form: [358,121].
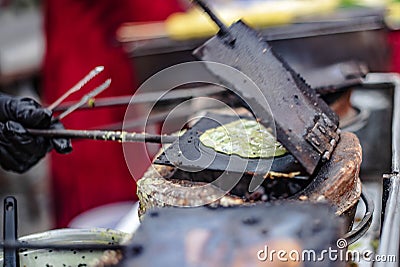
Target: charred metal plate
[188,153]
[303,121]
[173,237]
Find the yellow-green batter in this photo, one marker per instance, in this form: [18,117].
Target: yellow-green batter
[245,138]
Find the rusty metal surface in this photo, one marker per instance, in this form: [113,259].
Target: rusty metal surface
[233,236]
[305,125]
[338,179]
[156,190]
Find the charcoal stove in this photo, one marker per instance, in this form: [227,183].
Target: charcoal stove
[305,126]
[140,251]
[253,216]
[133,251]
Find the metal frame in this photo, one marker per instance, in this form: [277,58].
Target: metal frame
[390,224]
[365,223]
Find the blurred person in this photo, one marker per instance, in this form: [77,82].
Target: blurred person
[394,42]
[80,36]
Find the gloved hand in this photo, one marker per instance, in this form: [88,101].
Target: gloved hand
[19,150]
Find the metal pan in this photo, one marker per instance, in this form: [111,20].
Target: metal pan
[198,163]
[188,153]
[71,257]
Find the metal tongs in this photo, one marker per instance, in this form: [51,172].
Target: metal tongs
[76,88]
[120,136]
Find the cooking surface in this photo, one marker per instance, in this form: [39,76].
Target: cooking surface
[189,153]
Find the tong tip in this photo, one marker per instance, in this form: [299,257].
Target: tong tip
[99,69]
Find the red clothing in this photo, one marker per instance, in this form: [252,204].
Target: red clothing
[394,42]
[80,36]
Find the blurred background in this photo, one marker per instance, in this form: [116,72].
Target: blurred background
[47,46]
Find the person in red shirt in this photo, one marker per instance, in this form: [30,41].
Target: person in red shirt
[81,35]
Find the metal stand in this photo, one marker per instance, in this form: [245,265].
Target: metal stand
[365,223]
[390,230]
[11,257]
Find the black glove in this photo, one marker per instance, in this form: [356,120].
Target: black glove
[18,149]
